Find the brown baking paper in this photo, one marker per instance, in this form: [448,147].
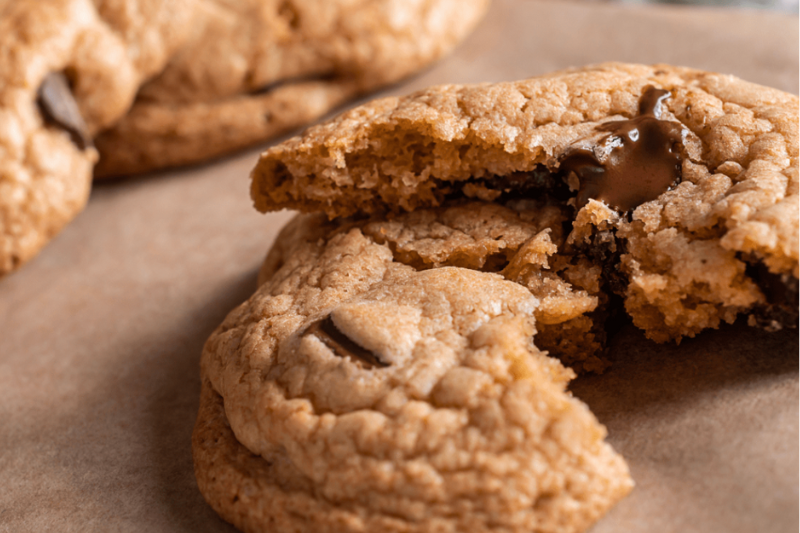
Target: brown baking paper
[100,335]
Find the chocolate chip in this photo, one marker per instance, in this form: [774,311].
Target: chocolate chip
[604,249]
[781,293]
[540,182]
[341,345]
[523,183]
[642,162]
[58,107]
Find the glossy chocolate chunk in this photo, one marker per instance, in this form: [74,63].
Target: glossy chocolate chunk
[58,107]
[326,331]
[642,161]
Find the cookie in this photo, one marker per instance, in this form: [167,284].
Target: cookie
[370,384]
[683,184]
[153,84]
[253,69]
[68,71]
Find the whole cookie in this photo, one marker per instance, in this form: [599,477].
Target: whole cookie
[363,388]
[253,69]
[683,184]
[69,68]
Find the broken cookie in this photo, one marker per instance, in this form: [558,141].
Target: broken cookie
[467,243]
[683,184]
[372,384]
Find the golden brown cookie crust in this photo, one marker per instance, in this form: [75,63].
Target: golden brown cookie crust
[687,253]
[240,486]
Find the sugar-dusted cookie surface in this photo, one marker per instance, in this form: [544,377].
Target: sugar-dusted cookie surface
[705,229]
[68,68]
[370,385]
[252,69]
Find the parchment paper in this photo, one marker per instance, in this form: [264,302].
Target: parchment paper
[100,335]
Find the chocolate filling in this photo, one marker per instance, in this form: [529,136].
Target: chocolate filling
[638,161]
[540,182]
[781,292]
[342,345]
[642,161]
[605,250]
[58,107]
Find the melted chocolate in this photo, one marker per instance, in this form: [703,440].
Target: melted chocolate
[58,107]
[540,182]
[342,345]
[642,162]
[781,293]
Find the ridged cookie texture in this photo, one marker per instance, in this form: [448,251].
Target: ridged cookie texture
[69,68]
[362,388]
[720,241]
[253,69]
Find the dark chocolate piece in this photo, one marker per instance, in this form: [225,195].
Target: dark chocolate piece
[58,107]
[523,183]
[603,248]
[540,182]
[642,163]
[326,331]
[781,293]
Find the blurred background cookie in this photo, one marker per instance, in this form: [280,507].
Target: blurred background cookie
[69,68]
[253,69]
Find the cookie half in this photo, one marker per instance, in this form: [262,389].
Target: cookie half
[358,390]
[683,184]
[253,69]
